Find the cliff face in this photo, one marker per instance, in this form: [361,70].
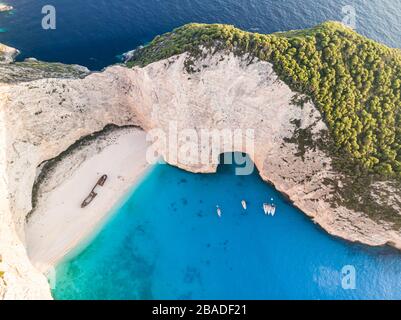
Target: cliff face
[42,118]
[228,92]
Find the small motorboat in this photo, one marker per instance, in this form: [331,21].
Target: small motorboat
[266,208]
[273,210]
[219,211]
[243,202]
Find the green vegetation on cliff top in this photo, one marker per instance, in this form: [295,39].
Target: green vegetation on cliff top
[355,82]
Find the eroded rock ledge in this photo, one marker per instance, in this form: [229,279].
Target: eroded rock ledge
[42,118]
[7,54]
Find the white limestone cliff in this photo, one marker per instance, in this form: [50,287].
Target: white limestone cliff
[42,118]
[8,54]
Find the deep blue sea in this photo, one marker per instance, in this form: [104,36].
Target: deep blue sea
[94,32]
[166,241]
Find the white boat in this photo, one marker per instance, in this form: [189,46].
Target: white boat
[218,211]
[273,210]
[269,209]
[266,208]
[243,202]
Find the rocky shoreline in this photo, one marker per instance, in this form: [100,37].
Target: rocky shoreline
[7,54]
[308,179]
[42,118]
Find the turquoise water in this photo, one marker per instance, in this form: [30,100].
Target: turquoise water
[167,242]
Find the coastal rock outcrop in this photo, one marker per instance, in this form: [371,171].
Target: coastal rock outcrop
[42,118]
[5,7]
[7,54]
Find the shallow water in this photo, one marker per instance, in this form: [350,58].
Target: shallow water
[167,242]
[94,32]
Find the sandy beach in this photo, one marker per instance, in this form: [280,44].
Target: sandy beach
[58,222]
